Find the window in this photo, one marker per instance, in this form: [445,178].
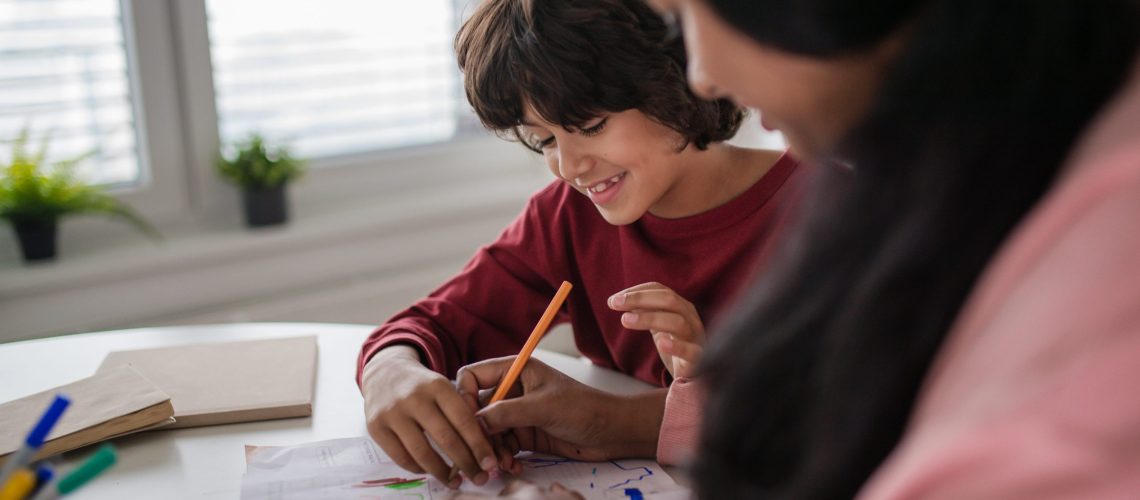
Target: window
[334,77]
[64,74]
[155,87]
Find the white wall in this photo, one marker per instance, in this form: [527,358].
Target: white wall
[341,264]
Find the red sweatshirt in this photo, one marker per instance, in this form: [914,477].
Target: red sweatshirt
[490,308]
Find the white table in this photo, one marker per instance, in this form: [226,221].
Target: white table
[208,462]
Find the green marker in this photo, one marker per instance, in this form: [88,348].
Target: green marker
[102,460]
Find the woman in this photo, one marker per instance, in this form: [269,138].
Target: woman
[956,316]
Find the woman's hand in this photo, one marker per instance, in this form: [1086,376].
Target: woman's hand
[673,321]
[549,412]
[526,490]
[405,403]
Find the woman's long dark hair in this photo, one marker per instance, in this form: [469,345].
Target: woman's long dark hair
[813,383]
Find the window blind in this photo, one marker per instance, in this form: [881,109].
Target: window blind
[64,75]
[334,77]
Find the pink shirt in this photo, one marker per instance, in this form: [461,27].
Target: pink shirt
[1036,393]
[681,423]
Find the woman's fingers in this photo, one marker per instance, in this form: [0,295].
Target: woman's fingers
[516,413]
[482,379]
[473,378]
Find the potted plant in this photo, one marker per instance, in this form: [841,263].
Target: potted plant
[34,198]
[262,172]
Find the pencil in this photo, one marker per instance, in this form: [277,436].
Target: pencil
[531,342]
[528,349]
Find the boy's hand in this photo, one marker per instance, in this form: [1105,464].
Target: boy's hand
[673,321]
[405,403]
[553,413]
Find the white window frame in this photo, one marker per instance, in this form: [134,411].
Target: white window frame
[373,214]
[330,180]
[176,121]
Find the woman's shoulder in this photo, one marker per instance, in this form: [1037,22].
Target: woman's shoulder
[1035,383]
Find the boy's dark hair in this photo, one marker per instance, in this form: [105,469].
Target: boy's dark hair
[574,60]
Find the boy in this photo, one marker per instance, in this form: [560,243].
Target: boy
[649,206]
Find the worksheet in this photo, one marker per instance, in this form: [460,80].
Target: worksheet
[357,468]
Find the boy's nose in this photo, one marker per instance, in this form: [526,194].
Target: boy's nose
[572,165]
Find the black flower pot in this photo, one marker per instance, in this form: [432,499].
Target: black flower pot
[265,206]
[37,239]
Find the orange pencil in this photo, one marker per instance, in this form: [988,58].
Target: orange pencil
[528,348]
[532,342]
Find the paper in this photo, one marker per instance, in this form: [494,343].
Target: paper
[227,382]
[103,406]
[357,468]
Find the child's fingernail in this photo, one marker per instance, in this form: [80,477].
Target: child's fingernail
[629,318]
[617,299]
[489,463]
[454,484]
[480,479]
[665,344]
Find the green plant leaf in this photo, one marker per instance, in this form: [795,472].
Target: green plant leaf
[31,192]
[253,164]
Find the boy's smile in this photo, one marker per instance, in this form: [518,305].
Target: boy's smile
[624,162]
[629,165]
[604,191]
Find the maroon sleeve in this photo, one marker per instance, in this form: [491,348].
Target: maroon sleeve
[491,306]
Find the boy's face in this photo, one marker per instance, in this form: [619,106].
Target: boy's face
[625,163]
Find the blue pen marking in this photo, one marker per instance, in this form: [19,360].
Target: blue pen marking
[539,462]
[633,493]
[647,473]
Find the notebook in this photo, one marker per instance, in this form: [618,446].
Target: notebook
[227,382]
[109,404]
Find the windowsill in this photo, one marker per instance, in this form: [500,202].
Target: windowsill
[187,251]
[140,281]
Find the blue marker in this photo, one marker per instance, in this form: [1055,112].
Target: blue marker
[35,438]
[44,476]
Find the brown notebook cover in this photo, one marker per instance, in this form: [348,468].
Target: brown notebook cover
[108,404]
[227,382]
